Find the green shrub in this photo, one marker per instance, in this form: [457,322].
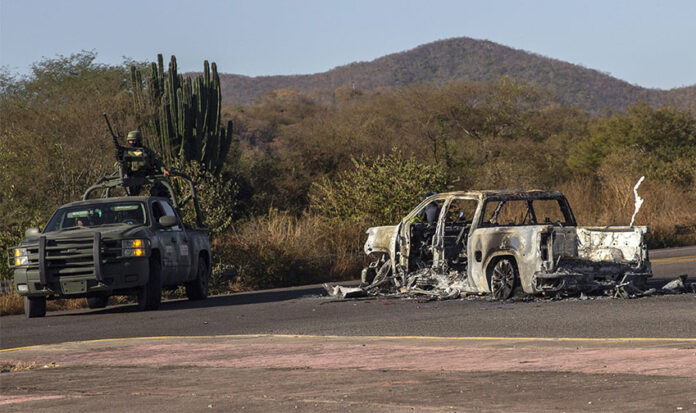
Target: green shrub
[217,197]
[379,190]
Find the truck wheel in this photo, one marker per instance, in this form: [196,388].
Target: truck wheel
[368,274]
[150,295]
[503,279]
[198,288]
[97,302]
[34,306]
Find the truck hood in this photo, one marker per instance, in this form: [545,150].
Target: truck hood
[380,239]
[108,232]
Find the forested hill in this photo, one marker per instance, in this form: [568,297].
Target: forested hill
[465,59]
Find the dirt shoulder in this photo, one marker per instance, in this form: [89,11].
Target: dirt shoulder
[279,373]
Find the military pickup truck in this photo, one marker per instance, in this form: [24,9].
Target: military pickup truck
[96,248]
[495,242]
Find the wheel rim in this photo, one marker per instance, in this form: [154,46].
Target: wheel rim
[503,280]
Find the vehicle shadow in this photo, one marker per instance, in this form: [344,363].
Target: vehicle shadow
[253,297]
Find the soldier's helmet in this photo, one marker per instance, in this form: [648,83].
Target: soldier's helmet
[135,138]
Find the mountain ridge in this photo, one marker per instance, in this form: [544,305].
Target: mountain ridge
[465,59]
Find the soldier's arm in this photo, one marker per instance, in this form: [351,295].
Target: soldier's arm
[157,161]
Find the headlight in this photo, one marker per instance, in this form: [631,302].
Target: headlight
[135,243]
[19,257]
[135,247]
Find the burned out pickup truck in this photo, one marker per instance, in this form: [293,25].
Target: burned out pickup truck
[96,248]
[498,242]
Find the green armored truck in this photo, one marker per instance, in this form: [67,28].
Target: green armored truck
[129,245]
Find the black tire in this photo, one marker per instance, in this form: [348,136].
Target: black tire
[34,307]
[97,302]
[368,274]
[504,278]
[198,288]
[150,295]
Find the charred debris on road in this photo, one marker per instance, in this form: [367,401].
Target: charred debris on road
[382,289]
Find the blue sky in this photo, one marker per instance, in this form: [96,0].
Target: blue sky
[649,43]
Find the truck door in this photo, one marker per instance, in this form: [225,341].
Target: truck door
[182,245]
[416,234]
[170,239]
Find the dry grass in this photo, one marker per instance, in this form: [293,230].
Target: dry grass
[22,366]
[281,250]
[13,303]
[667,210]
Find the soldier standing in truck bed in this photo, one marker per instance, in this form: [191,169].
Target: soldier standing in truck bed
[139,160]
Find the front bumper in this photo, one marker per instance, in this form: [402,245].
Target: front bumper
[120,275]
[78,267]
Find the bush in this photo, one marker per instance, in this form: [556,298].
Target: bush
[379,190]
[658,143]
[217,198]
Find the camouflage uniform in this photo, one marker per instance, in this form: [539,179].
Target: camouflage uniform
[139,160]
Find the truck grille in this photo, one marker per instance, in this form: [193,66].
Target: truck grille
[69,257]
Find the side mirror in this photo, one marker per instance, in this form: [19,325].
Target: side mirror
[168,221]
[32,232]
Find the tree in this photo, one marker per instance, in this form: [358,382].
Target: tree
[661,143]
[52,137]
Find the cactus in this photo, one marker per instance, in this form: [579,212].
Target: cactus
[181,117]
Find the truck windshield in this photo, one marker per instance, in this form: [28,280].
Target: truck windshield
[94,215]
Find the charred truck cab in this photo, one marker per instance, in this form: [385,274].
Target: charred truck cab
[496,241]
[96,248]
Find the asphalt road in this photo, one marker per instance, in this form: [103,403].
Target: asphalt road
[303,310]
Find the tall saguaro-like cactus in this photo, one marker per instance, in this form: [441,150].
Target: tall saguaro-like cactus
[180,117]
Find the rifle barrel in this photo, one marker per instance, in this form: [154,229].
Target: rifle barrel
[106,118]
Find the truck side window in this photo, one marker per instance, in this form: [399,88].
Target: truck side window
[157,211]
[461,211]
[429,213]
[550,211]
[508,213]
[169,211]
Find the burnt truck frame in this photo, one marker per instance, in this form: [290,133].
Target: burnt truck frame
[482,253]
[115,253]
